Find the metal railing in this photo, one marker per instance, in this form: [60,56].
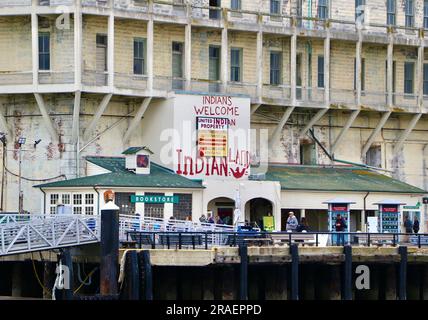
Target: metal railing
[32,232]
[137,223]
[209,239]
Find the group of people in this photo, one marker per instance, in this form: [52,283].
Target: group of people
[210,219]
[411,227]
[293,224]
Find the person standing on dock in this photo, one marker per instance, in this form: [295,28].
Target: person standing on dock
[415,225]
[340,226]
[292,222]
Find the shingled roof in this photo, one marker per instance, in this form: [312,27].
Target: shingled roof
[337,178]
[118,176]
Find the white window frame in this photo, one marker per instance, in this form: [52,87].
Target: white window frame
[67,198]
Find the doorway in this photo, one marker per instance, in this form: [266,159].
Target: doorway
[123,201]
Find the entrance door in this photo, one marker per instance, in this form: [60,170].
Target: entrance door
[226,214]
[123,201]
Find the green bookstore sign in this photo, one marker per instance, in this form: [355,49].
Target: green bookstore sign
[154,199]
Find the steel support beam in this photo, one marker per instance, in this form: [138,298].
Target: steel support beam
[375,132]
[314,120]
[406,133]
[345,129]
[280,126]
[137,118]
[48,121]
[101,108]
[76,113]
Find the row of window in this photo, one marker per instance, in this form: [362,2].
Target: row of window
[76,203]
[236,63]
[323,10]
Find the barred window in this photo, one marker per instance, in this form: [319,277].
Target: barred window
[320,71]
[139,56]
[184,206]
[235,64]
[275,68]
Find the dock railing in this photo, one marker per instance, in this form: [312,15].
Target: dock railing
[207,239]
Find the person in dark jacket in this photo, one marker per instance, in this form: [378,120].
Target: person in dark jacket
[408,225]
[340,226]
[303,225]
[415,225]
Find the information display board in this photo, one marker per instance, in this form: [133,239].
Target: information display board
[389,218]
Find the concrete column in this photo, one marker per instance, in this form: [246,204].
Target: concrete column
[110,51]
[259,61]
[293,70]
[390,74]
[35,47]
[420,74]
[168,210]
[224,59]
[358,75]
[327,69]
[302,213]
[188,55]
[150,39]
[363,221]
[78,56]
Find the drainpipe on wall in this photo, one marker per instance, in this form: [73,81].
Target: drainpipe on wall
[98,200]
[44,200]
[363,214]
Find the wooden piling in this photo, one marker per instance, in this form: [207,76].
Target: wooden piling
[402,274]
[347,274]
[109,249]
[294,251]
[146,277]
[243,283]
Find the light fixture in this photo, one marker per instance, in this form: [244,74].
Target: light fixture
[21,141]
[37,142]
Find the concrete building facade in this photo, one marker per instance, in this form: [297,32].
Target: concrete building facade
[331,81]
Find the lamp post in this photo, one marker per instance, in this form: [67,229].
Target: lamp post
[21,141]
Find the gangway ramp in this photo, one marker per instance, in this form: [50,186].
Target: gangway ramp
[26,233]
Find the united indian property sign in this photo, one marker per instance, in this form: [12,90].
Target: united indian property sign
[220,143]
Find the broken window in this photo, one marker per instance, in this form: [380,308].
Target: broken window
[374,156]
[308,154]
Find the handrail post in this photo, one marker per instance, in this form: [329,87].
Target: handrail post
[243,285]
[179,240]
[206,240]
[316,239]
